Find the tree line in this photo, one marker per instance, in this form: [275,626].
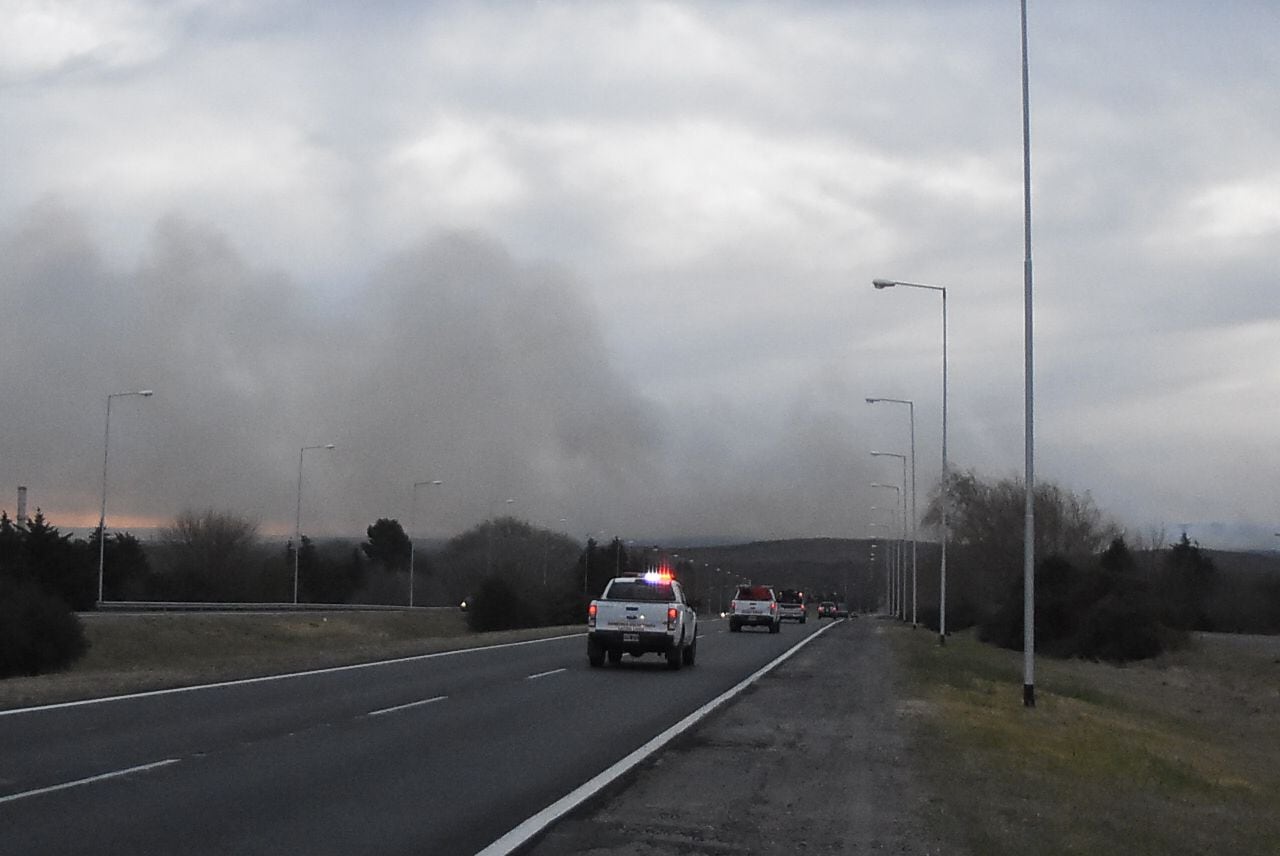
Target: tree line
[1096,596]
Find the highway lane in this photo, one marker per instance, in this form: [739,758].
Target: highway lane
[429,755]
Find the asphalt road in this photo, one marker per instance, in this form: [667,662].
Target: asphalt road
[434,755]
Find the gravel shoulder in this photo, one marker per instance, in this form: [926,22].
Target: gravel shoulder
[813,759]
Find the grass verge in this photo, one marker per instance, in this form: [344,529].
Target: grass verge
[135,653]
[1180,755]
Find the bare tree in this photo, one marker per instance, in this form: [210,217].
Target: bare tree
[211,555]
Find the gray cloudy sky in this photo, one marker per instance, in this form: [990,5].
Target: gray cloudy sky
[613,260]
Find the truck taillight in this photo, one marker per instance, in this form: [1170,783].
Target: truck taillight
[733,606]
[672,613]
[773,607]
[591,615]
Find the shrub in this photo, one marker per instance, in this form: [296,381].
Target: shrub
[961,615]
[497,606]
[1104,611]
[1118,629]
[38,632]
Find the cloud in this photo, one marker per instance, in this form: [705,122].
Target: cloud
[612,260]
[454,361]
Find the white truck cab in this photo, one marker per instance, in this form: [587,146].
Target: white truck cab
[640,614]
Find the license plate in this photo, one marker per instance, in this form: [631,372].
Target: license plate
[630,637]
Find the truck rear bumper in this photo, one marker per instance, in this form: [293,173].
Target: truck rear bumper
[630,643]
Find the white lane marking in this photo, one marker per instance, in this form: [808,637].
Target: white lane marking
[544,674]
[264,678]
[90,780]
[699,636]
[406,706]
[533,826]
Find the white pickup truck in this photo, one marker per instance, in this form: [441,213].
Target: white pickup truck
[754,605]
[637,615]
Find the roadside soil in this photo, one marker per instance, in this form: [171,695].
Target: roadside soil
[812,759]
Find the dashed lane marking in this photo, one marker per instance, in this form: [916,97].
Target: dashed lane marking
[407,706]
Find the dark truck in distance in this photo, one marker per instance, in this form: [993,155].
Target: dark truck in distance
[641,614]
[791,605]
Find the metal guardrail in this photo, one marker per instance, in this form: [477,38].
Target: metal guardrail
[201,606]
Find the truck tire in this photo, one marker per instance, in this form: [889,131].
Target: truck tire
[691,653]
[775,627]
[595,653]
[615,657]
[734,627]
[675,656]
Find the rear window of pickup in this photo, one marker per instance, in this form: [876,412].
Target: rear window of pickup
[754,593]
[640,591]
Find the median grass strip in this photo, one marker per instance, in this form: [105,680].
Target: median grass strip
[134,653]
[1177,756]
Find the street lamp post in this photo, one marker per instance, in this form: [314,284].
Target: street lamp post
[297,522]
[102,517]
[889,584]
[413,524]
[903,458]
[1029,518]
[901,501]
[943,500]
[911,409]
[888,570]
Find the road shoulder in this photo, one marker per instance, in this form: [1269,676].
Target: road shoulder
[814,758]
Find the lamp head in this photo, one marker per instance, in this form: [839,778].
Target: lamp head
[884,283]
[330,446]
[146,392]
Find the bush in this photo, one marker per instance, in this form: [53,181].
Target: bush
[38,632]
[1118,629]
[961,615]
[497,606]
[1104,611]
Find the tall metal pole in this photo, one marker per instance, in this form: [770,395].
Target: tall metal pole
[1029,530]
[102,516]
[946,488]
[889,588]
[902,575]
[899,500]
[944,499]
[297,528]
[912,409]
[904,541]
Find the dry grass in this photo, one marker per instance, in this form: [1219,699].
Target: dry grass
[1177,756]
[133,653]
